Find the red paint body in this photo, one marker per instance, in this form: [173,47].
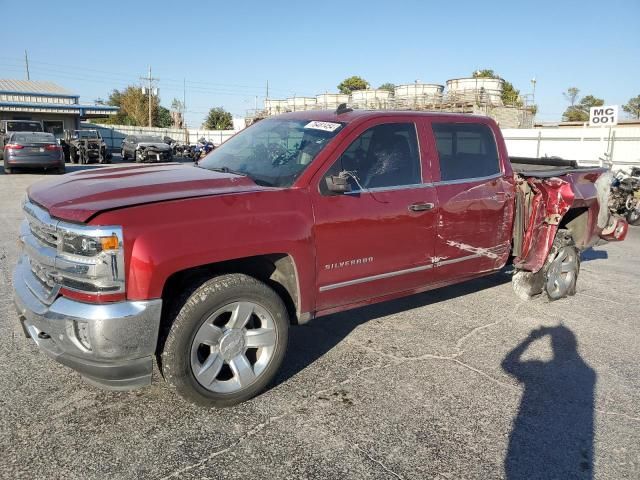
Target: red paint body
[176,217]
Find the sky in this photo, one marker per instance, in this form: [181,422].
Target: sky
[226,52]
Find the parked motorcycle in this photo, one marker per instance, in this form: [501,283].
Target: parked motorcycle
[625,195]
[203,147]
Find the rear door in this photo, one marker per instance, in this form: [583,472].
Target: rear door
[377,239]
[475,194]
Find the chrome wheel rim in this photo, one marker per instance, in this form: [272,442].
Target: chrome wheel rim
[233,347]
[561,274]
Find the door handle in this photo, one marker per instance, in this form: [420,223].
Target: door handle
[419,207]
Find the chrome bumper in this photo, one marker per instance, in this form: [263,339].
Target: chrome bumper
[111,345]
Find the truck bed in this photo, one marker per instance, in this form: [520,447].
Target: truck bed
[545,167]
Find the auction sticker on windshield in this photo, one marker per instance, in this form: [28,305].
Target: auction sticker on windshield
[325,126]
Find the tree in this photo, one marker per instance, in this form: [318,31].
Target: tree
[485,73]
[580,112]
[388,86]
[134,109]
[571,95]
[177,105]
[351,84]
[510,95]
[633,107]
[218,119]
[164,118]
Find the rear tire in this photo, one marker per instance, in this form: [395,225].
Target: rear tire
[562,267]
[227,341]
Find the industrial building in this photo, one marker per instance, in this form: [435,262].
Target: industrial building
[463,95]
[56,107]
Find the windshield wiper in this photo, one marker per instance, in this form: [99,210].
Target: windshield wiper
[228,170]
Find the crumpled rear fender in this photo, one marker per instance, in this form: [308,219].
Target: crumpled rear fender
[553,197]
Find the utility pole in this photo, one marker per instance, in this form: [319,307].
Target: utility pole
[26,62]
[150,81]
[184,102]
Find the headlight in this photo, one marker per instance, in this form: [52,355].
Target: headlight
[91,259]
[88,246]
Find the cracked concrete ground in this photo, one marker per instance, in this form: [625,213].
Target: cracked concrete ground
[415,388]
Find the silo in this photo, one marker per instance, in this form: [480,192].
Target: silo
[275,107]
[417,95]
[331,101]
[295,104]
[371,99]
[483,90]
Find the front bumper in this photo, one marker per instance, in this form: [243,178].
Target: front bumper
[110,345]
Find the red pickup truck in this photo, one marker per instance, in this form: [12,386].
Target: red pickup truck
[298,216]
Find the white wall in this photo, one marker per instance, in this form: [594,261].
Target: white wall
[585,144]
[114,134]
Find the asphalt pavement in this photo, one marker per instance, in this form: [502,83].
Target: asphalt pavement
[460,382]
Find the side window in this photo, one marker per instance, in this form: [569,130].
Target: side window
[466,150]
[386,155]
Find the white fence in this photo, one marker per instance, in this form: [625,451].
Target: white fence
[590,146]
[114,134]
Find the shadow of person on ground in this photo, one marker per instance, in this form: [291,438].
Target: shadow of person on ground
[312,341]
[552,436]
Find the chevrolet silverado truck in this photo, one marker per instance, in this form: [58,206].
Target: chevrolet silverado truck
[204,268]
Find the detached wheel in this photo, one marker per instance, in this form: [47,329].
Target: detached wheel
[227,342]
[562,267]
[633,217]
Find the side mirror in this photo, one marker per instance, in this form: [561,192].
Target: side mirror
[338,184]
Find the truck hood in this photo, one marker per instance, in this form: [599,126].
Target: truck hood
[79,196]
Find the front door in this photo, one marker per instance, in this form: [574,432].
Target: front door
[475,198]
[377,239]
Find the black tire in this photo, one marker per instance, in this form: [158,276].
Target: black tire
[562,267]
[61,170]
[191,313]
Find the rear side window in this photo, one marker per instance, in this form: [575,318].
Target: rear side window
[466,150]
[22,138]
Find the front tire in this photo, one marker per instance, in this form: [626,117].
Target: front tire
[227,341]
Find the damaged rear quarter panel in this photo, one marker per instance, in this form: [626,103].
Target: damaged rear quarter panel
[552,199]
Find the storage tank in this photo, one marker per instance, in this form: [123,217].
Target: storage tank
[275,107]
[301,103]
[417,95]
[412,90]
[485,90]
[371,99]
[331,101]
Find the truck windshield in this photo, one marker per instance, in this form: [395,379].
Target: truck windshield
[149,139]
[24,127]
[273,152]
[86,134]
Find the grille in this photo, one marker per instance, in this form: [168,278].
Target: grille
[45,234]
[44,276]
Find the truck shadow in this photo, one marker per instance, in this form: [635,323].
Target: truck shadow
[552,435]
[310,342]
